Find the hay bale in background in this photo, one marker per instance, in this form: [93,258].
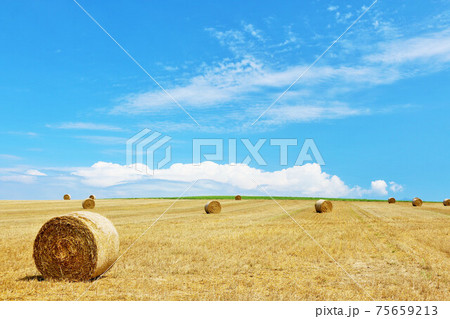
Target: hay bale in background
[77,246]
[391,200]
[417,201]
[66,197]
[446,202]
[213,207]
[92,197]
[324,206]
[238,197]
[88,203]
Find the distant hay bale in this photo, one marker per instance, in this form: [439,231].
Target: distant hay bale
[213,207]
[391,200]
[417,201]
[238,197]
[66,197]
[88,203]
[76,247]
[446,202]
[324,206]
[92,197]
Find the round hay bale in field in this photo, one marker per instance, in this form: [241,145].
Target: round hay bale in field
[78,246]
[92,197]
[324,206]
[88,203]
[213,207]
[238,197]
[391,200]
[66,197]
[446,202]
[417,201]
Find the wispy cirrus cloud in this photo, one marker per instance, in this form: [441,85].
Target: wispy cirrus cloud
[29,134]
[332,8]
[434,47]
[247,79]
[34,172]
[10,157]
[84,126]
[20,175]
[107,140]
[309,113]
[21,179]
[253,31]
[241,42]
[250,81]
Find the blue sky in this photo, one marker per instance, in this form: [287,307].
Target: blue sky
[376,104]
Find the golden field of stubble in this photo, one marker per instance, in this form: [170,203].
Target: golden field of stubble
[251,251]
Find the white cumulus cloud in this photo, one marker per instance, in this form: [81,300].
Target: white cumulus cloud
[378,187]
[305,180]
[103,174]
[393,186]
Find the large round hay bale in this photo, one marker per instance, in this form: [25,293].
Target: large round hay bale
[417,201]
[391,200]
[92,197]
[446,202]
[66,197]
[324,206]
[88,203]
[213,207]
[238,197]
[76,247]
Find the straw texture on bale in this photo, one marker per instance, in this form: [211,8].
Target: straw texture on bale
[66,197]
[88,203]
[238,197]
[446,202]
[92,197]
[324,206]
[76,247]
[213,207]
[417,201]
[391,200]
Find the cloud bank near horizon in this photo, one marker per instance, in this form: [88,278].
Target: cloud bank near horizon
[115,180]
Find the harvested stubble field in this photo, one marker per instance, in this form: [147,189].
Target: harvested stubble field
[250,251]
